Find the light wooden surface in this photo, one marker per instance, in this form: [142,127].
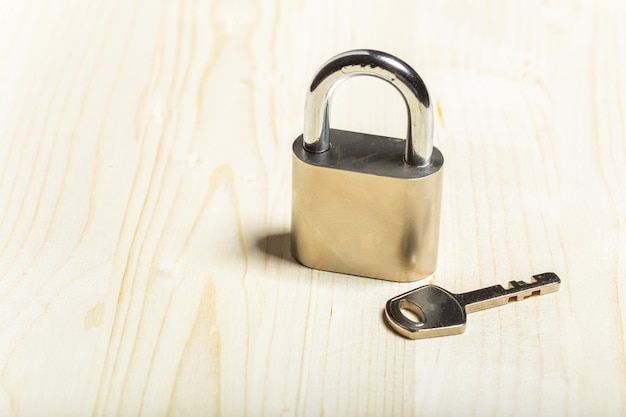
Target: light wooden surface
[145,207]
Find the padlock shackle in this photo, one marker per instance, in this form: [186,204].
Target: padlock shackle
[419,143]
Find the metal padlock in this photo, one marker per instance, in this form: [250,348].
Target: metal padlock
[364,204]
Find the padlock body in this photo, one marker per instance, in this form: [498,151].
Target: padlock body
[359,209]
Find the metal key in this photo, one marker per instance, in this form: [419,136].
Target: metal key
[442,313]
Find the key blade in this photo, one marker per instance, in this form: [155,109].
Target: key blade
[517,290]
[540,284]
[438,310]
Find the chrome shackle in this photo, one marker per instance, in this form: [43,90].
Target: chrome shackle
[419,140]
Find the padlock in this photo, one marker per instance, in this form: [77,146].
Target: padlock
[364,204]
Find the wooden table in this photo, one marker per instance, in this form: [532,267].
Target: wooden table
[145,182]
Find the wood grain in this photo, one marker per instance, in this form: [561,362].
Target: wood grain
[145,203]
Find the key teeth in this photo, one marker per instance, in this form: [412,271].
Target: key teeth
[517,284]
[533,280]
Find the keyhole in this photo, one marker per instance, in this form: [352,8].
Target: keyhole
[412,312]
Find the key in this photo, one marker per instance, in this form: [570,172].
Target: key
[442,313]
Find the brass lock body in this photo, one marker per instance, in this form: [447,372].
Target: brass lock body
[364,204]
